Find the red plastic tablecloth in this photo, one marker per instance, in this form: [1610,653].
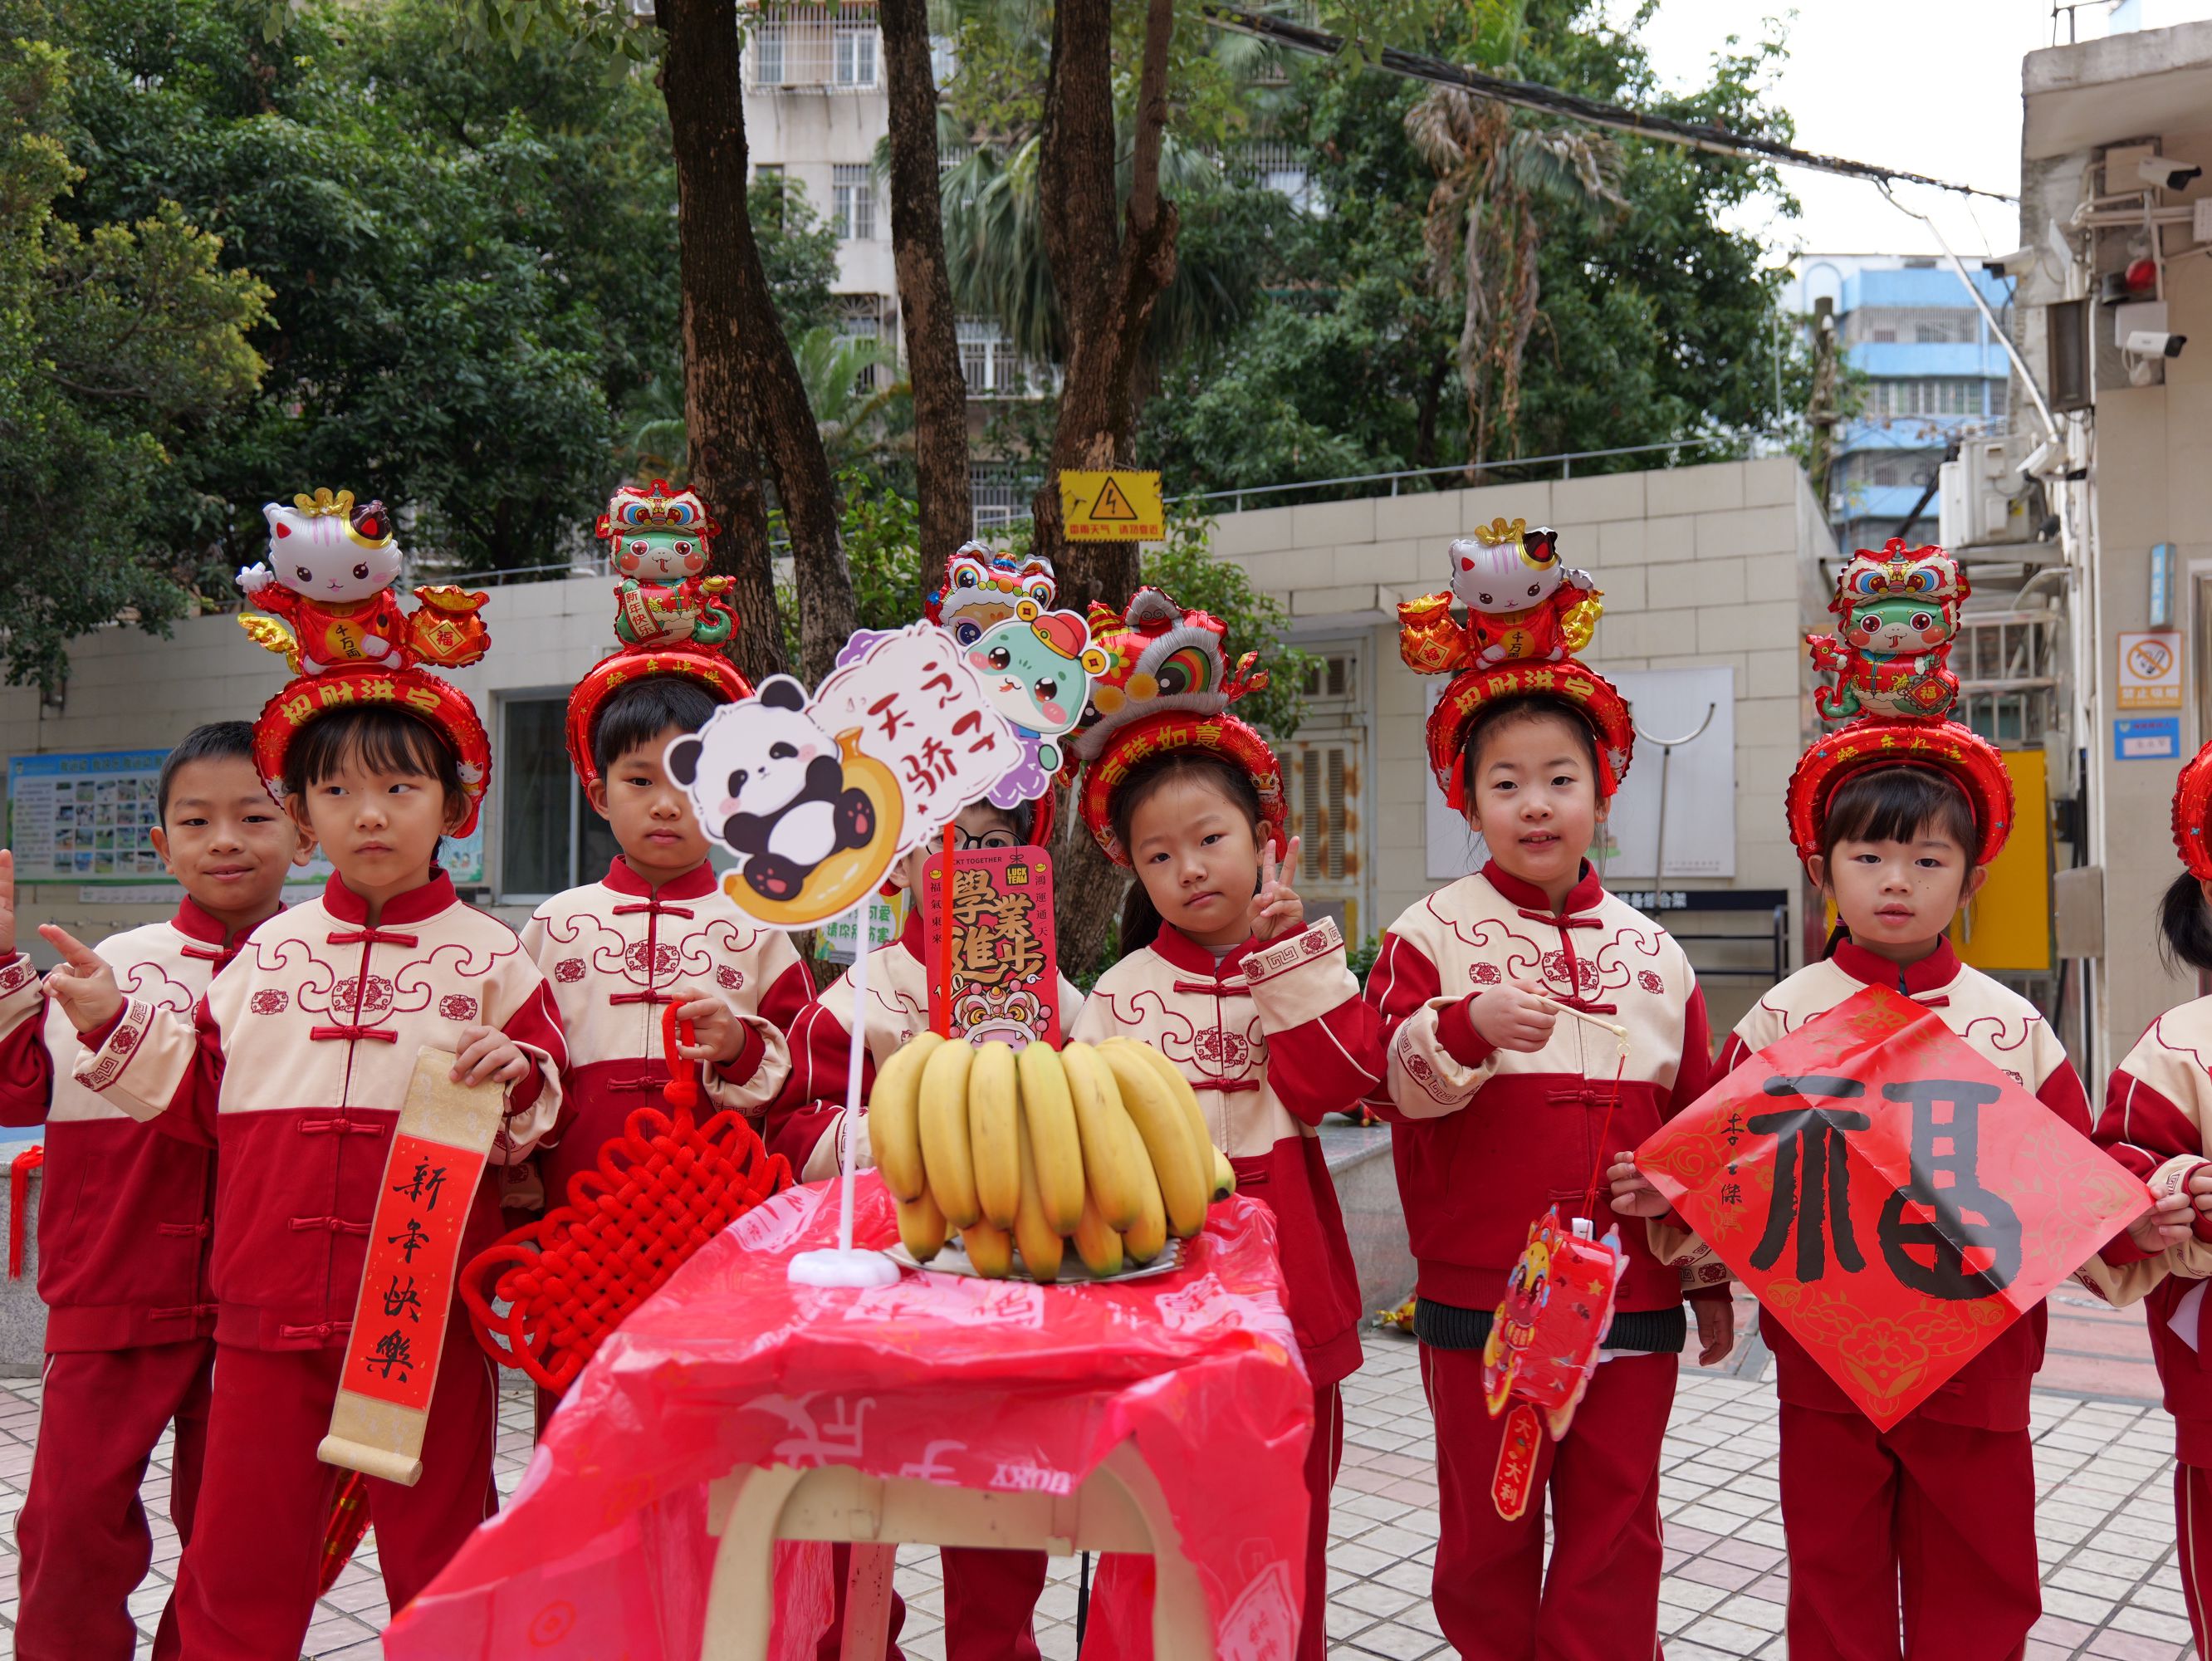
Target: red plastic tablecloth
[604,1550]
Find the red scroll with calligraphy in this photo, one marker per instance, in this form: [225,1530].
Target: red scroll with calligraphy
[1005,982]
[1894,1199]
[439,1149]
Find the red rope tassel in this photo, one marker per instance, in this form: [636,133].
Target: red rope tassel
[19,1191]
[659,1191]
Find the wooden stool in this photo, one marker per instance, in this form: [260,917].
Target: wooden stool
[1118,1508]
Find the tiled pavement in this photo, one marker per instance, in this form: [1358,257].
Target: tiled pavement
[2103,1465]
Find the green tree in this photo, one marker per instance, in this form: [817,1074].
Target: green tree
[116,338]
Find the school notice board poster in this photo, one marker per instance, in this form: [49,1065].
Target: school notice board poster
[76,818]
[85,817]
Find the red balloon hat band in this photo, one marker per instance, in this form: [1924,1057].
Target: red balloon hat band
[328,577]
[1896,612]
[670,617]
[2192,804]
[1527,614]
[1160,681]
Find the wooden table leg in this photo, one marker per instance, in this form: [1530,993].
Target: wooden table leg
[867,1603]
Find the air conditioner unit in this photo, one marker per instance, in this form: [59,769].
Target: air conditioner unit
[1984,498]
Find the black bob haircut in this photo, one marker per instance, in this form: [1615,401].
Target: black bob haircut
[1140,918]
[641,711]
[1898,804]
[375,736]
[1514,712]
[2185,925]
[218,740]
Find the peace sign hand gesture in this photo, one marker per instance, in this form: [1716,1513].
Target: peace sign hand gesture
[1277,910]
[84,986]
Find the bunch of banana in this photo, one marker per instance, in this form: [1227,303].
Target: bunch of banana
[1104,1146]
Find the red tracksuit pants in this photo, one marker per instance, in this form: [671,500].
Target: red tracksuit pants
[1917,1542]
[83,1531]
[990,1605]
[2193,1531]
[1121,1623]
[246,1589]
[1599,1598]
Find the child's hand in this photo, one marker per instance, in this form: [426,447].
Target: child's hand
[84,986]
[1514,1017]
[1277,910]
[2167,1221]
[488,1055]
[1716,1328]
[2199,1187]
[720,1028]
[1633,1193]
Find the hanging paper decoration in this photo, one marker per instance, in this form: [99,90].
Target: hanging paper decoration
[1891,1197]
[1005,981]
[1543,1344]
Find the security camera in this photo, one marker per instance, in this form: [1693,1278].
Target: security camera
[2161,174]
[2151,342]
[2019,263]
[2042,456]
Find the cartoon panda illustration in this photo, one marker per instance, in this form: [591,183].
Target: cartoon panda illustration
[770,784]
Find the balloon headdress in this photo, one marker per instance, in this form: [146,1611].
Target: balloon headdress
[1526,614]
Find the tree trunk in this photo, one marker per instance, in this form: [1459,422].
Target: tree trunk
[933,337]
[699,79]
[742,391]
[1107,281]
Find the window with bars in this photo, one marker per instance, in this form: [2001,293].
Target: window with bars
[549,839]
[828,48]
[989,364]
[853,201]
[998,495]
[1943,395]
[860,317]
[1323,783]
[2008,668]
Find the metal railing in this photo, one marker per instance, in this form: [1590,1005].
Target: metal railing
[1564,459]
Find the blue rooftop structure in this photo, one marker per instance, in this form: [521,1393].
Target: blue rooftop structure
[1931,372]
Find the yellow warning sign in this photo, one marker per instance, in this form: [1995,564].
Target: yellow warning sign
[1120,506]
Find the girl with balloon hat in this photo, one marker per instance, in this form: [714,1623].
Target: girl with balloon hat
[294,1066]
[2158,1123]
[1223,975]
[1530,1017]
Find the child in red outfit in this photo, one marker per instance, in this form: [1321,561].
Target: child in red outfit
[124,1230]
[657,928]
[1498,1091]
[2158,1123]
[1918,1540]
[1260,1011]
[294,1066]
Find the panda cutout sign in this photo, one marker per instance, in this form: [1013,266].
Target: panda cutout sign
[816,797]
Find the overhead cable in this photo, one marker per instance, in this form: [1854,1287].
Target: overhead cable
[1552,101]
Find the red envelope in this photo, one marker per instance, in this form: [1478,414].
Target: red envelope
[1893,1198]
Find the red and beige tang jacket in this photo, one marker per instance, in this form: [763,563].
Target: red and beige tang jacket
[2158,1124]
[805,1122]
[613,952]
[1274,1038]
[125,1217]
[1486,1140]
[293,1066]
[1990,1392]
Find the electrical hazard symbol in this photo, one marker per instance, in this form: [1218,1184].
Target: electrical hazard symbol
[1117,505]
